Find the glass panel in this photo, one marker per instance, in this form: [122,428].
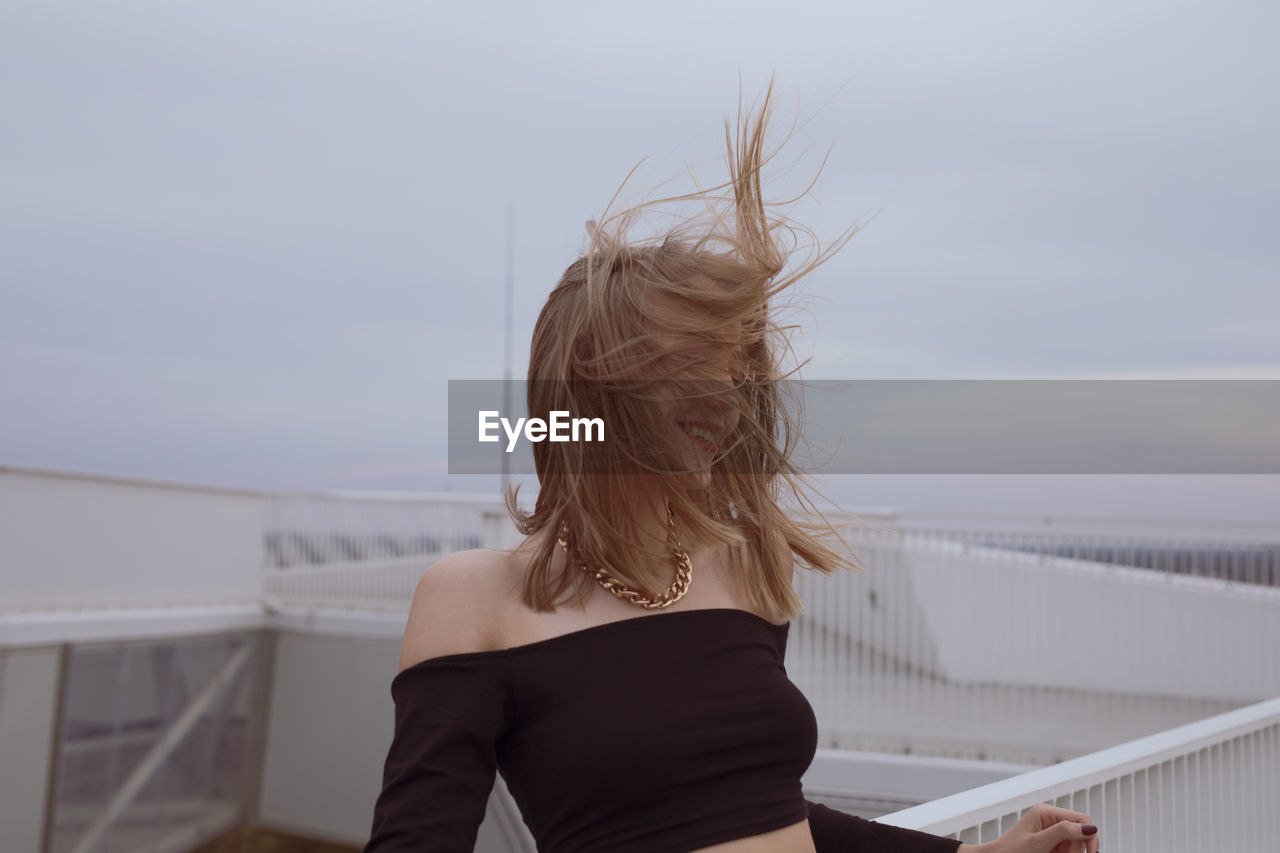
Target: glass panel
[147,717]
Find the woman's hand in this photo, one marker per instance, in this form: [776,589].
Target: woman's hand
[1044,829]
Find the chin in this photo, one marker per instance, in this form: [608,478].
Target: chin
[699,480]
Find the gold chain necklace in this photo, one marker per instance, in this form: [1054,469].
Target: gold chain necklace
[673,593]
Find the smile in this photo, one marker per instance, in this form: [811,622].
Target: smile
[702,436]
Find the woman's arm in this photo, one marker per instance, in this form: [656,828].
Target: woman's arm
[449,713]
[836,832]
[1041,830]
[436,785]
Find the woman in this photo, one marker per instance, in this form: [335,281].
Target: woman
[629,706]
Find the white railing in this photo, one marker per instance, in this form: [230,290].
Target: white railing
[358,527]
[952,643]
[367,551]
[1209,785]
[890,657]
[1247,552]
[969,652]
[941,646]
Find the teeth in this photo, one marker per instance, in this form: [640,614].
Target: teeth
[700,433]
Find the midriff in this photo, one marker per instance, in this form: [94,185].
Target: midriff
[790,839]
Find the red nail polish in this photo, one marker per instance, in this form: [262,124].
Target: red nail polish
[1088,829]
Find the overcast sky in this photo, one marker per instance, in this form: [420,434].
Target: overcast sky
[249,243]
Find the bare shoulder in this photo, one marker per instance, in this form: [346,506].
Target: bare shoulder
[456,606]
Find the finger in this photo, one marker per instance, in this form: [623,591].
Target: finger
[1047,815]
[1091,833]
[1075,834]
[1067,814]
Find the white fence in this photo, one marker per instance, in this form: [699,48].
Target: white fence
[938,647]
[918,604]
[943,646]
[367,551]
[1245,552]
[975,652]
[1209,785]
[953,642]
[327,528]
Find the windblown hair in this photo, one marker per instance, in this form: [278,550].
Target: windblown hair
[714,279]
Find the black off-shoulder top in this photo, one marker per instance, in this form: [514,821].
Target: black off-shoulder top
[662,733]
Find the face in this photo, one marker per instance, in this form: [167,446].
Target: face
[696,395]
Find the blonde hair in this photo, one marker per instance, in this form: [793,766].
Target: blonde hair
[594,341]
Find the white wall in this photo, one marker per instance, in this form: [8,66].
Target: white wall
[331,722]
[1018,619]
[979,615]
[78,542]
[330,725]
[28,694]
[878,607]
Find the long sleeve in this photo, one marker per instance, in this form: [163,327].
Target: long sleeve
[837,832]
[442,762]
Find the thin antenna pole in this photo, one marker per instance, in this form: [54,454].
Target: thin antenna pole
[509,323]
